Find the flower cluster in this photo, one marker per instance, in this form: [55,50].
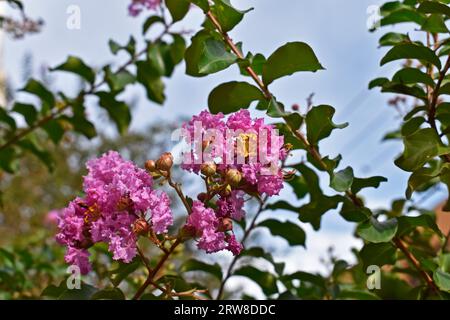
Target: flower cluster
[137,6]
[246,151]
[213,229]
[117,196]
[237,156]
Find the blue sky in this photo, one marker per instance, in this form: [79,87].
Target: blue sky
[335,29]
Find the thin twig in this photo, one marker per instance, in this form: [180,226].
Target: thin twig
[244,238]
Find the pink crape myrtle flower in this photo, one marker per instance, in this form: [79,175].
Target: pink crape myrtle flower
[137,6]
[117,193]
[207,226]
[239,142]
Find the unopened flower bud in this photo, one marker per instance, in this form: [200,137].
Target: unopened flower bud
[295,107]
[165,162]
[150,165]
[141,226]
[233,177]
[226,224]
[208,169]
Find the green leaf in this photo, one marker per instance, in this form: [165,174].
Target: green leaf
[357,295]
[202,4]
[38,89]
[403,15]
[82,125]
[292,232]
[7,119]
[28,111]
[276,109]
[434,7]
[207,55]
[289,59]
[342,181]
[196,265]
[123,270]
[420,147]
[378,82]
[157,19]
[266,280]
[8,160]
[362,183]
[54,130]
[407,224]
[442,280]
[378,254]
[377,232]
[319,123]
[178,8]
[152,83]
[419,178]
[315,279]
[319,203]
[108,294]
[232,96]
[411,51]
[117,110]
[77,66]
[435,24]
[86,292]
[412,76]
[393,38]
[119,80]
[226,14]
[155,60]
[412,125]
[352,213]
[258,252]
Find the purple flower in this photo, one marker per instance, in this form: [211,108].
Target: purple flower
[117,193]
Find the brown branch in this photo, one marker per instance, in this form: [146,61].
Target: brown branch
[176,187]
[244,238]
[153,273]
[429,281]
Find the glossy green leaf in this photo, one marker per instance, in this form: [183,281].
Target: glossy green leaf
[152,20]
[232,96]
[108,294]
[393,38]
[266,280]
[77,66]
[292,232]
[207,55]
[411,51]
[434,7]
[117,81]
[289,59]
[362,183]
[227,15]
[420,147]
[196,265]
[342,181]
[178,8]
[442,280]
[412,76]
[117,110]
[376,231]
[319,123]
[435,24]
[38,89]
[407,224]
[152,83]
[28,111]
